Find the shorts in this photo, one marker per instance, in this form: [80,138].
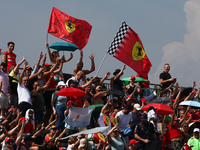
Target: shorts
[176,145]
[4,101]
[47,98]
[23,107]
[39,115]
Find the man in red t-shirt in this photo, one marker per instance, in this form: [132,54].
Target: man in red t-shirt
[174,129]
[9,57]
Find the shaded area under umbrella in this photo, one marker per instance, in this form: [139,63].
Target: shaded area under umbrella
[70,92]
[64,46]
[116,92]
[160,108]
[161,100]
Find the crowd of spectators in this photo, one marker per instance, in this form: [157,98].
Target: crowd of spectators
[33,115]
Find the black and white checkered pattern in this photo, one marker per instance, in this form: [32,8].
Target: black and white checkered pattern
[118,38]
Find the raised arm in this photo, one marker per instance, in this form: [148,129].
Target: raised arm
[22,73]
[49,52]
[109,102]
[79,64]
[19,136]
[92,65]
[18,65]
[44,60]
[60,66]
[88,83]
[178,96]
[48,82]
[181,121]
[120,73]
[104,78]
[110,132]
[68,59]
[36,74]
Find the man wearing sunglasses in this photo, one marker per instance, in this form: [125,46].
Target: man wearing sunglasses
[194,141]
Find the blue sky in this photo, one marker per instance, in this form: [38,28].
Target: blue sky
[159,24]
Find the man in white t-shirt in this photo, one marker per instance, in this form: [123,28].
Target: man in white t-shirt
[23,92]
[124,117]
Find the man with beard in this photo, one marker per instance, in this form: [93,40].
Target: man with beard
[124,117]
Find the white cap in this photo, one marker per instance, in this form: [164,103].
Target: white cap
[137,106]
[196,130]
[61,83]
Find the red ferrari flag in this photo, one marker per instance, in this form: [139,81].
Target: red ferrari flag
[127,47]
[68,28]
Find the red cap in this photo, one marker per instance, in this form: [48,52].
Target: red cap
[29,68]
[106,111]
[49,139]
[175,118]
[133,141]
[46,64]
[132,77]
[7,139]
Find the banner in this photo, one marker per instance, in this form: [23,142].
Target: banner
[127,47]
[68,28]
[79,117]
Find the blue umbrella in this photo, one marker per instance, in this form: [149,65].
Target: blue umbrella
[64,46]
[191,103]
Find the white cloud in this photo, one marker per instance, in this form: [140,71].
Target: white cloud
[184,58]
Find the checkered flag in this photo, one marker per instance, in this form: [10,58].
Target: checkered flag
[118,38]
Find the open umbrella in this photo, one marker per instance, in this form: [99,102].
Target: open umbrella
[137,79]
[70,92]
[191,103]
[63,46]
[161,108]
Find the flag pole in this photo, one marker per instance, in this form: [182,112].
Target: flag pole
[101,64]
[47,37]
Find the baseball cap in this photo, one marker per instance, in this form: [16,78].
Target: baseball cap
[144,117]
[8,139]
[3,64]
[133,141]
[72,81]
[175,118]
[98,87]
[106,111]
[46,64]
[29,68]
[83,142]
[61,83]
[137,106]
[196,130]
[132,77]
[53,127]
[116,71]
[49,139]
[117,107]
